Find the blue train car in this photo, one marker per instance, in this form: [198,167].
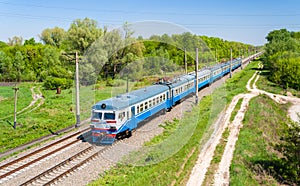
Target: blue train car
[181,87]
[118,116]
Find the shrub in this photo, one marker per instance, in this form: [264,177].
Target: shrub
[52,83]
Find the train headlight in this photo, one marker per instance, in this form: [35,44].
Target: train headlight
[92,127]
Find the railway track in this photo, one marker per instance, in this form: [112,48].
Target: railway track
[62,170]
[11,169]
[66,167]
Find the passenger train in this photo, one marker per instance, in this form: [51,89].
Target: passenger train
[116,117]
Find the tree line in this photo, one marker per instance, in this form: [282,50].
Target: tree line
[282,58]
[116,51]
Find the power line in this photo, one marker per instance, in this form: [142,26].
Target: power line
[150,12]
[197,25]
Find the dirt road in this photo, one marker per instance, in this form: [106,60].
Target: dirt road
[222,176]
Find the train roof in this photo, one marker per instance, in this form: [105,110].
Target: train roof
[201,72]
[124,100]
[182,79]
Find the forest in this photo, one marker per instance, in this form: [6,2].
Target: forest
[52,59]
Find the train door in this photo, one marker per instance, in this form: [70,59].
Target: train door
[133,111]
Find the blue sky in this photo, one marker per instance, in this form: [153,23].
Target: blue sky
[235,20]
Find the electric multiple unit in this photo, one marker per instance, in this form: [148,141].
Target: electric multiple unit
[116,117]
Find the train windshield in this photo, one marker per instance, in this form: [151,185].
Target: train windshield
[109,116]
[97,115]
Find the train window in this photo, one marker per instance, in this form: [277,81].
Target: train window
[150,103]
[121,116]
[128,114]
[109,116]
[160,98]
[138,109]
[157,100]
[154,101]
[141,107]
[146,105]
[97,115]
[164,97]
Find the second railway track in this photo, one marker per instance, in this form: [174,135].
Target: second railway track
[57,172]
[12,168]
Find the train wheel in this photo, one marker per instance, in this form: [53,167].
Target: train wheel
[128,133]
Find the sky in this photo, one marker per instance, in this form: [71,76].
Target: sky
[234,20]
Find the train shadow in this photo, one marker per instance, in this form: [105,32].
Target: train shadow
[86,137]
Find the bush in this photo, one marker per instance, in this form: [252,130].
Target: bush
[115,82]
[52,83]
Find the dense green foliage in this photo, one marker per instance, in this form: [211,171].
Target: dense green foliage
[282,58]
[106,54]
[211,49]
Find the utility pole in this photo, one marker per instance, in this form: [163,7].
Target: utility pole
[77,92]
[185,63]
[240,54]
[127,80]
[230,75]
[249,53]
[216,56]
[15,106]
[196,71]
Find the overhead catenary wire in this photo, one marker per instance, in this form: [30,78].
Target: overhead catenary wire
[148,12]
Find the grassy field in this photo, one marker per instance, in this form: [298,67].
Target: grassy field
[264,84]
[175,169]
[7,99]
[255,158]
[57,112]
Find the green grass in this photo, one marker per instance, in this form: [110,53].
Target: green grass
[7,99]
[57,112]
[254,155]
[236,109]
[264,83]
[153,165]
[169,128]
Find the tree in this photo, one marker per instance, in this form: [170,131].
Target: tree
[3,44]
[282,58]
[53,36]
[53,83]
[31,41]
[6,67]
[18,66]
[15,41]
[278,35]
[82,33]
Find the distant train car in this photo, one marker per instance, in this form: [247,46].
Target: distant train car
[116,117]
